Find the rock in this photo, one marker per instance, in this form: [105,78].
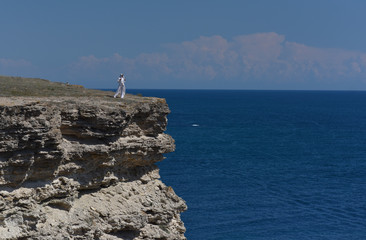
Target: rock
[84,168]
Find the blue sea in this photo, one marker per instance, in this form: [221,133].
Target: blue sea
[268,164]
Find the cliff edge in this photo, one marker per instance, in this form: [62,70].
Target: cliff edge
[83,168]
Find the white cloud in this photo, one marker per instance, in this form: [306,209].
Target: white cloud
[13,63]
[18,67]
[261,57]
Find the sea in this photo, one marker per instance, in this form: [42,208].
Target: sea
[265,165]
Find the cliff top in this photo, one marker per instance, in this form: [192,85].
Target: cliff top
[19,91]
[19,86]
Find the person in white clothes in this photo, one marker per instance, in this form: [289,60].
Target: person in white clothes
[121,86]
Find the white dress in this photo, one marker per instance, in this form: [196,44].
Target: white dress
[121,87]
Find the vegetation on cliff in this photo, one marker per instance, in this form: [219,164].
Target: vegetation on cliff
[19,86]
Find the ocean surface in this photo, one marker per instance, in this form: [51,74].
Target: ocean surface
[268,164]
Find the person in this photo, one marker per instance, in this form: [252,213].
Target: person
[121,86]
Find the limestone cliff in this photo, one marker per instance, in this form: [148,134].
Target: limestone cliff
[83,168]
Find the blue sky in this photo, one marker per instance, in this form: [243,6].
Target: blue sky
[211,44]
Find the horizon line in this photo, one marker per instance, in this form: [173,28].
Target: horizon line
[214,89]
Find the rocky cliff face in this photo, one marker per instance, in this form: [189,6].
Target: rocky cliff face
[83,168]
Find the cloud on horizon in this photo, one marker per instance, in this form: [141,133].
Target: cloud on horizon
[15,67]
[264,60]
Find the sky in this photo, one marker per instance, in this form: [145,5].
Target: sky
[191,44]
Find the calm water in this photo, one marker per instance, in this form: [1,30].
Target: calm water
[268,164]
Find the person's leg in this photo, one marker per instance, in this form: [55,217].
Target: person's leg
[118,91]
[123,91]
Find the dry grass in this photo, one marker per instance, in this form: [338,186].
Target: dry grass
[18,86]
[11,87]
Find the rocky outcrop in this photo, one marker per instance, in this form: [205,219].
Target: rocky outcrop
[83,168]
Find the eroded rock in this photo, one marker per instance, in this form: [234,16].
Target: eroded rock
[83,168]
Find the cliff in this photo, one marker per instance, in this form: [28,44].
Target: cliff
[83,168]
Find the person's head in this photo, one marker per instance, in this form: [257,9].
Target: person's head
[121,75]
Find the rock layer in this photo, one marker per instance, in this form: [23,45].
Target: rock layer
[83,168]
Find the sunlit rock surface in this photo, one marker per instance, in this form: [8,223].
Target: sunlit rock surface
[83,168]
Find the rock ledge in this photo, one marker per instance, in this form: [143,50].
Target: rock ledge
[83,168]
